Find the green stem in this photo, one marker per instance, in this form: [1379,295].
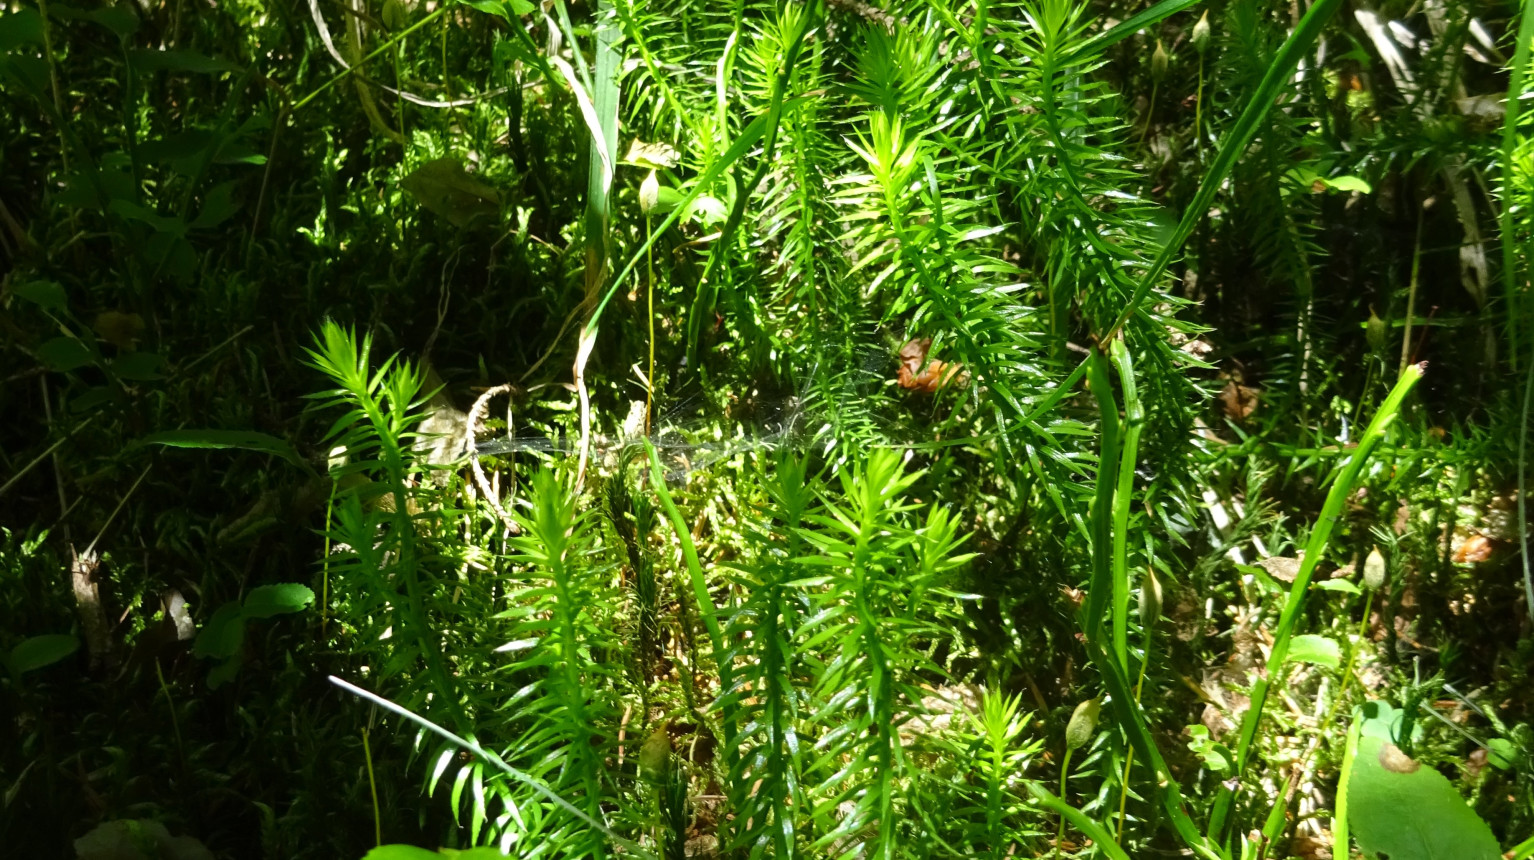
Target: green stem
[1134,415]
[1129,756]
[367,756]
[1065,770]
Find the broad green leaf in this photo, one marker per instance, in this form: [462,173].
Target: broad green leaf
[223,673]
[395,15]
[139,366]
[245,440]
[45,294]
[64,354]
[401,852]
[26,73]
[217,206]
[185,144]
[160,223]
[1347,183]
[1319,650]
[117,18]
[221,636]
[507,10]
[1501,753]
[1217,756]
[1400,810]
[443,187]
[20,28]
[96,395]
[178,61]
[1342,585]
[269,600]
[40,651]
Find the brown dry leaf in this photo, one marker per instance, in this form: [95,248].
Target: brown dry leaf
[919,374]
[654,156]
[1310,848]
[1475,549]
[1281,568]
[1238,401]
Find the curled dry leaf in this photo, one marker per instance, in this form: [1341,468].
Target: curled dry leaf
[1392,759]
[655,156]
[1476,548]
[918,374]
[1238,401]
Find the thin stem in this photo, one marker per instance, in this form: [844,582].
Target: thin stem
[175,725]
[1065,770]
[1523,489]
[345,73]
[1149,112]
[53,80]
[367,756]
[1129,758]
[1315,550]
[1198,110]
[1411,297]
[649,401]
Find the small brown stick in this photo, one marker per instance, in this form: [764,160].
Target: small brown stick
[477,414]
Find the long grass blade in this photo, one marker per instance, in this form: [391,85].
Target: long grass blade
[1126,28]
[1315,550]
[1232,148]
[1129,453]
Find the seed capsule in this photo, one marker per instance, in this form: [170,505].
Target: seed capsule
[1083,723]
[649,193]
[1201,33]
[1150,599]
[1159,61]
[1374,569]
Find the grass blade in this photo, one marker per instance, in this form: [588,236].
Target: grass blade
[1315,550]
[1234,145]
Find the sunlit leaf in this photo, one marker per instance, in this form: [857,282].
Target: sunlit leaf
[268,600]
[1319,650]
[401,852]
[1400,809]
